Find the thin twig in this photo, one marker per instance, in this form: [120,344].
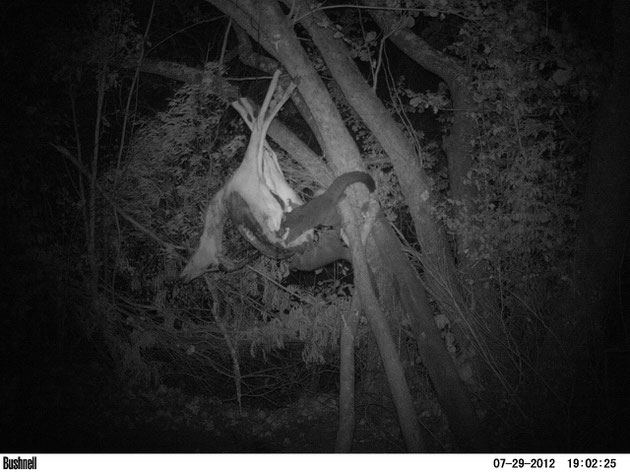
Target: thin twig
[113,203]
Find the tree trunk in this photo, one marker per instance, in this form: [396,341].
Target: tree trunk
[459,144]
[459,149]
[401,395]
[265,22]
[345,432]
[451,392]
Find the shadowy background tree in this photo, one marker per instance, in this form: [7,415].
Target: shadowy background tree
[497,134]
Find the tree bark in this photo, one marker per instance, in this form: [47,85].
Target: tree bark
[459,149]
[450,389]
[265,22]
[458,145]
[453,396]
[413,180]
[345,432]
[401,394]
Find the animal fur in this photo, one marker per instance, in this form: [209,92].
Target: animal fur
[327,249]
[266,210]
[255,197]
[322,210]
[251,230]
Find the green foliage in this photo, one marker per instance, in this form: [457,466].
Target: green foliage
[531,87]
[313,319]
[176,162]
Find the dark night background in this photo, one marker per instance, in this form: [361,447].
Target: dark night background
[63,389]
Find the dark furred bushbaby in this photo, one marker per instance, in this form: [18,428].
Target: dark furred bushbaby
[322,210]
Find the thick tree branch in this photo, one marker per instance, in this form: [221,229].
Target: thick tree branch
[458,145]
[265,22]
[414,183]
[218,85]
[413,180]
